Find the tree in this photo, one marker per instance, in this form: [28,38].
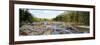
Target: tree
[24,16]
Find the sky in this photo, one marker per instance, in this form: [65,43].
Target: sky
[48,14]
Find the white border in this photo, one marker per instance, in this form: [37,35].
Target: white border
[42,37]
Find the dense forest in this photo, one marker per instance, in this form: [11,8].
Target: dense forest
[76,17]
[27,17]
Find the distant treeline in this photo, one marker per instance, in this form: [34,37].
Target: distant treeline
[76,17]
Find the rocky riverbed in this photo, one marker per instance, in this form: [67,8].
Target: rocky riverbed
[47,28]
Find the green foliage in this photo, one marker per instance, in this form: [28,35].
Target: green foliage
[25,16]
[77,17]
[41,19]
